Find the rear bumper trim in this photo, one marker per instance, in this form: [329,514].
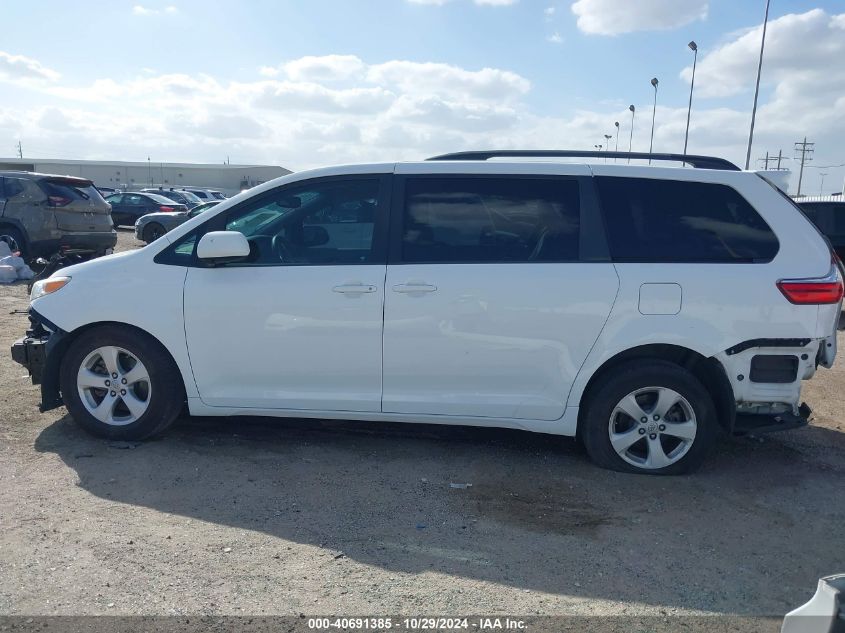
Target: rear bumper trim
[754,423]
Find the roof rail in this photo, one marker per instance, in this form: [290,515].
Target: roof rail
[699,162]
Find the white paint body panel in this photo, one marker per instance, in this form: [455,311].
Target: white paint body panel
[282,337]
[493,340]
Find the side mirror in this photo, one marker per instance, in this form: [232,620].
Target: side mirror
[221,247]
[314,235]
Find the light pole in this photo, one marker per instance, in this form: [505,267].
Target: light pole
[150,170]
[821,186]
[631,137]
[654,83]
[607,138]
[694,48]
[757,88]
[616,123]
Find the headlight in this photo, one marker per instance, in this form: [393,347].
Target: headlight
[47,287]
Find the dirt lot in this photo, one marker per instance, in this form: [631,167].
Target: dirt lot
[246,516]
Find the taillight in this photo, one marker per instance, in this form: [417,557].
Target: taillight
[58,201]
[811,293]
[820,291]
[166,209]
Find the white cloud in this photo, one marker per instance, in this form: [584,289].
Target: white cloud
[139,9]
[322,68]
[802,51]
[555,38]
[447,80]
[613,17]
[25,69]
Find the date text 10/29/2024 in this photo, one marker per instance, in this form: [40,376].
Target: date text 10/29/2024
[416,624]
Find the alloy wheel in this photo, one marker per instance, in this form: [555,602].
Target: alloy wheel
[652,427]
[114,385]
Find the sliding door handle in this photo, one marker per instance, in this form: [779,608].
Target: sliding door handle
[354,289]
[414,287]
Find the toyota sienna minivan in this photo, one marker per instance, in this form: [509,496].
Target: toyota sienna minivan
[644,309]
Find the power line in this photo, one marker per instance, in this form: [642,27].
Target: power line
[805,150]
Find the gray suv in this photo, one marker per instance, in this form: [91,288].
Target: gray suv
[41,214]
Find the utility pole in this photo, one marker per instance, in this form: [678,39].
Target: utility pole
[804,153]
[771,159]
[20,150]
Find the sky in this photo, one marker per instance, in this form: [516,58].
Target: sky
[306,83]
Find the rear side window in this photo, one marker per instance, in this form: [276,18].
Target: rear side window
[13,187]
[491,220]
[650,220]
[70,190]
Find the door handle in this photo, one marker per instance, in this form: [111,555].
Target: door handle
[354,289]
[414,287]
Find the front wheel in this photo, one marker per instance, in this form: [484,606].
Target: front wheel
[649,416]
[119,383]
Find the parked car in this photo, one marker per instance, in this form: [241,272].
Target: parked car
[150,227]
[107,191]
[41,214]
[644,310]
[128,207]
[180,196]
[206,194]
[829,217]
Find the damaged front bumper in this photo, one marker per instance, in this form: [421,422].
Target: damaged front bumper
[40,352]
[31,353]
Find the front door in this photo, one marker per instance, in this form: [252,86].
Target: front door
[298,325]
[495,294]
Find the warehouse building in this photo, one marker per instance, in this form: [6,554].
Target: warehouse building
[229,179]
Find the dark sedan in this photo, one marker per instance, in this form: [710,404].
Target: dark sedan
[126,208]
[177,195]
[153,225]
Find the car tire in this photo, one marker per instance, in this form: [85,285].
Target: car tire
[144,393]
[649,416]
[15,239]
[152,232]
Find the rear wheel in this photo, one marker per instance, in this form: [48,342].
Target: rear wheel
[120,384]
[14,238]
[153,231]
[649,416]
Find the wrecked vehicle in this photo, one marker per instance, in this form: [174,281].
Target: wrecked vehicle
[643,309]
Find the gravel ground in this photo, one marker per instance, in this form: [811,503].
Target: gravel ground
[256,516]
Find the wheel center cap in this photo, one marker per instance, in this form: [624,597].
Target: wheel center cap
[651,427]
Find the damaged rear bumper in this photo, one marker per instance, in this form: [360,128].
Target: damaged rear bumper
[757,423]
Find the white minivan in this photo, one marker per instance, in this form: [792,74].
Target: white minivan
[642,309]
